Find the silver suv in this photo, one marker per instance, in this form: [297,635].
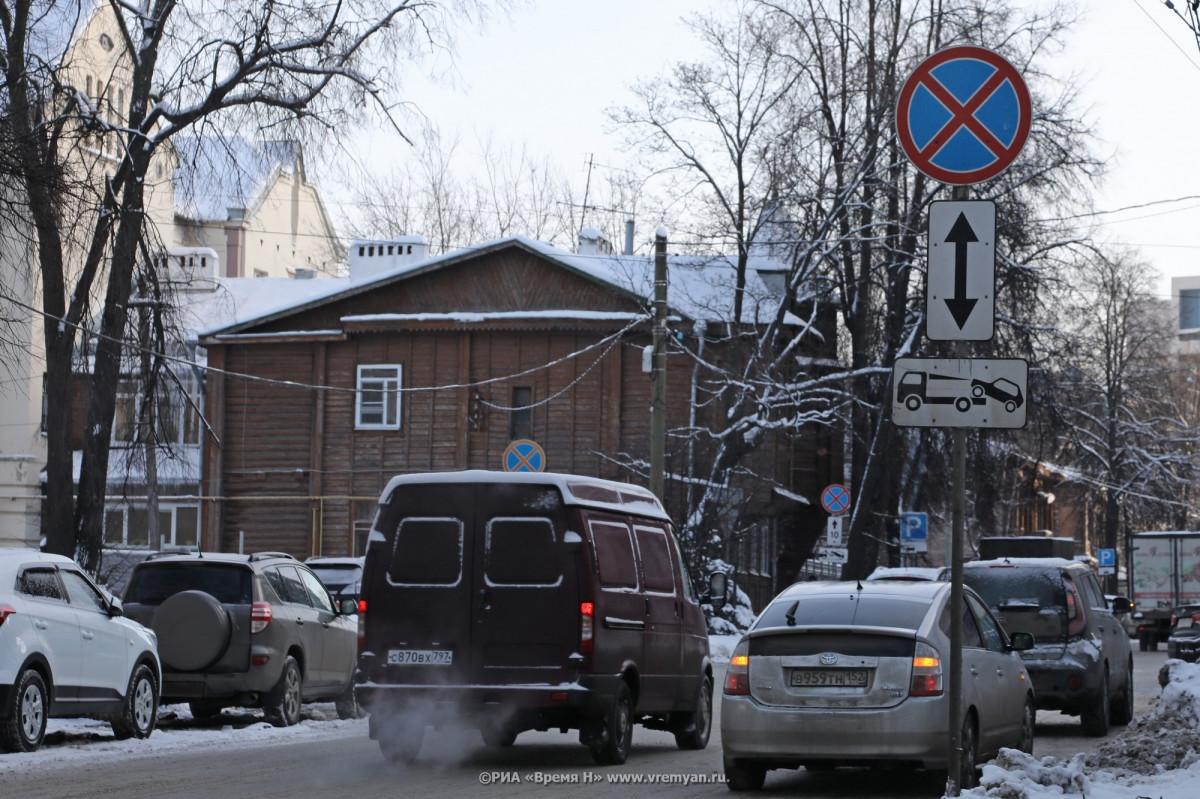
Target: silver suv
[246,630]
[66,650]
[1081,663]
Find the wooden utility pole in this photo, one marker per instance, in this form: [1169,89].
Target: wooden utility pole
[658,370]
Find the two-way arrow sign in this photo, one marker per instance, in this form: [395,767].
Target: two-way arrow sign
[961,281]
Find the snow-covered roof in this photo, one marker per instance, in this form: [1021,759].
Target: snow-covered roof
[698,287]
[217,173]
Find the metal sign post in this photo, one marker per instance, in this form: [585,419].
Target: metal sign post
[962,117]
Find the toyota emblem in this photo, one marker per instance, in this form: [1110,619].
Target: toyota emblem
[828,659]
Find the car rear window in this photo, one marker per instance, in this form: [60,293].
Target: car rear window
[1010,587]
[1027,600]
[152,583]
[805,643]
[428,551]
[337,575]
[522,551]
[848,610]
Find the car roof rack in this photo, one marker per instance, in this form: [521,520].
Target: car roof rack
[256,556]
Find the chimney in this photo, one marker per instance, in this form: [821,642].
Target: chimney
[592,243]
[371,257]
[629,237]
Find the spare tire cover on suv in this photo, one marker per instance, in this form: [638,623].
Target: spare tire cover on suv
[193,630]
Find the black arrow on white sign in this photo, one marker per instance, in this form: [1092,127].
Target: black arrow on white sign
[961,235]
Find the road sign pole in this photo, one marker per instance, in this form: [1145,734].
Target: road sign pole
[958,525]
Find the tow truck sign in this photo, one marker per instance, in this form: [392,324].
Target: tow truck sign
[932,392]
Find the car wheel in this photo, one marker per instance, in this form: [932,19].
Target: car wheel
[282,704]
[25,726]
[912,402]
[140,712]
[739,777]
[193,630]
[968,776]
[618,729]
[1096,719]
[1028,721]
[347,705]
[497,736]
[1122,709]
[202,709]
[963,404]
[696,726]
[400,739]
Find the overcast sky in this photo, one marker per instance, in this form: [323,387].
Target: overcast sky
[546,76]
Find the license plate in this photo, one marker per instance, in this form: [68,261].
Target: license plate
[420,657]
[829,678]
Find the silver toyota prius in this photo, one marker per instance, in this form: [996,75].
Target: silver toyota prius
[855,674]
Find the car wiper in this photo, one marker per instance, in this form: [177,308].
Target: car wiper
[790,616]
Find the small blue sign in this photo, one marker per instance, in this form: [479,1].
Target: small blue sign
[1106,557]
[524,455]
[914,526]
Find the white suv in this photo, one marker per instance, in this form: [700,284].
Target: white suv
[66,650]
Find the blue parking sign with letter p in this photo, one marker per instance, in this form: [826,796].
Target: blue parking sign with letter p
[1106,557]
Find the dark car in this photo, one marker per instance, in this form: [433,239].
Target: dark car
[245,630]
[1082,662]
[342,576]
[1184,642]
[530,601]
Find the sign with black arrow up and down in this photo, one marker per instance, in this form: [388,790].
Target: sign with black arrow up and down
[961,281]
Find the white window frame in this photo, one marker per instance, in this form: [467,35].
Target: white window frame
[379,378]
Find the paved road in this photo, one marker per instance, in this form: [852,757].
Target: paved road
[455,764]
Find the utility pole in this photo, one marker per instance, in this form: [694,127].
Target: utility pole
[658,371]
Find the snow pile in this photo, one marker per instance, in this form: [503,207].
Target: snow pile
[1153,757]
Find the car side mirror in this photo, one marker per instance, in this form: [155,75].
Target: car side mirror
[718,590]
[347,606]
[1020,642]
[1121,604]
[115,608]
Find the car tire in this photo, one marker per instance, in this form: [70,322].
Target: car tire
[1028,723]
[193,630]
[618,728]
[25,726]
[968,775]
[497,737]
[139,713]
[741,778]
[696,725]
[912,402]
[1096,719]
[1121,712]
[282,704]
[347,705]
[963,404]
[400,739]
[204,709]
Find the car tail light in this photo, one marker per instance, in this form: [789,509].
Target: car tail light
[260,616]
[926,671]
[587,627]
[1076,620]
[737,678]
[362,625]
[6,611]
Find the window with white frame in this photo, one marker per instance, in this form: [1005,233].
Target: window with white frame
[129,525]
[377,399]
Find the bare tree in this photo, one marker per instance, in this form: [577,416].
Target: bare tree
[790,132]
[1126,426]
[83,160]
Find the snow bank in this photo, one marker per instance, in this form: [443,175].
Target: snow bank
[1153,757]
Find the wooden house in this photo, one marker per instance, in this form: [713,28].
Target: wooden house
[434,364]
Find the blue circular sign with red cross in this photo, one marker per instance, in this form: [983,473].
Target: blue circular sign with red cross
[835,499]
[963,115]
[524,455]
